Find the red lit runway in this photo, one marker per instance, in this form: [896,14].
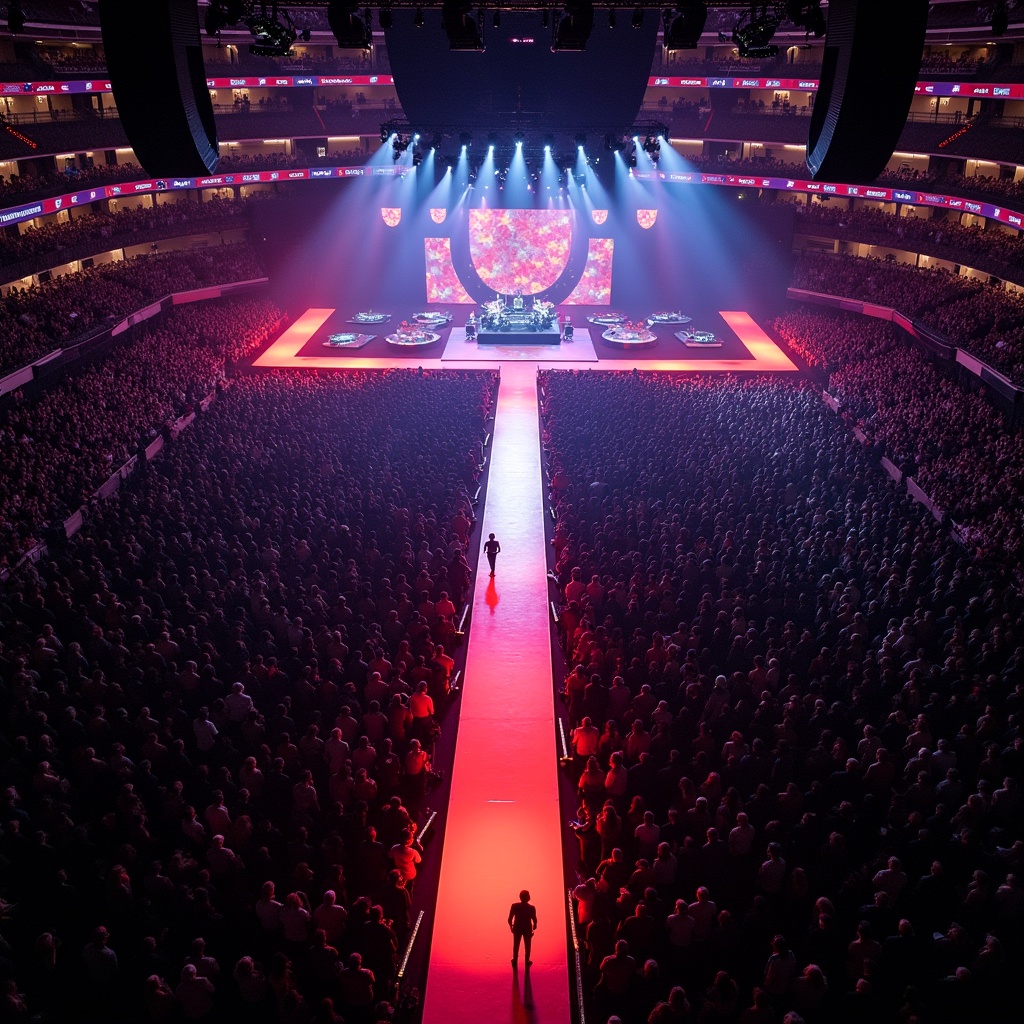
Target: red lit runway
[503,830]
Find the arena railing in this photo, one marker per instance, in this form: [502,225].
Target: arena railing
[61,358]
[1010,395]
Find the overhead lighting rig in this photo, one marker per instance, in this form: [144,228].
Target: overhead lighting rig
[271,36]
[685,24]
[351,31]
[572,29]
[570,22]
[807,14]
[754,31]
[464,32]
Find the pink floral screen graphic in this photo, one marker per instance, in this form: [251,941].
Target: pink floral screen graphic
[519,251]
[443,284]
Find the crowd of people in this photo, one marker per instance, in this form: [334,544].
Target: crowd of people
[985,320]
[54,242]
[956,445]
[63,442]
[794,705]
[16,187]
[36,319]
[220,702]
[994,249]
[943,63]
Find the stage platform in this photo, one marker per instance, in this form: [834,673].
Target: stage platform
[516,339]
[504,828]
[579,350]
[748,349]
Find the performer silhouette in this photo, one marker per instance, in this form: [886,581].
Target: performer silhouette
[522,920]
[491,549]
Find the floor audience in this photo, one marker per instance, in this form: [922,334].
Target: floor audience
[206,699]
[804,797]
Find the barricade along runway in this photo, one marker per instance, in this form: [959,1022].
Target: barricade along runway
[503,828]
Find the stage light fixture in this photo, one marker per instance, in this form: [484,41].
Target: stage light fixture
[549,143]
[638,17]
[271,37]
[384,134]
[15,16]
[684,26]
[807,14]
[1000,19]
[581,140]
[418,18]
[466,140]
[464,32]
[611,17]
[545,18]
[497,18]
[573,28]
[219,14]
[351,32]
[753,33]
[385,18]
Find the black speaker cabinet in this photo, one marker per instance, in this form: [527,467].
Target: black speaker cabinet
[155,60]
[870,67]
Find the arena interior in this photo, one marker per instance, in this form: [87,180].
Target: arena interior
[457,457]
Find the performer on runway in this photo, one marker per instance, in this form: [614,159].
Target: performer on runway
[522,920]
[491,549]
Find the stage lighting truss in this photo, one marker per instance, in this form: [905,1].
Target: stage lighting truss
[351,32]
[501,146]
[754,31]
[222,13]
[464,31]
[685,24]
[569,21]
[271,36]
[573,27]
[808,15]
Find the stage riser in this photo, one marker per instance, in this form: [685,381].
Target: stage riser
[551,337]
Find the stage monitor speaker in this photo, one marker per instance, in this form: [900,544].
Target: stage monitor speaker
[155,61]
[869,70]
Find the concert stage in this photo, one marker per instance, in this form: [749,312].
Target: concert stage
[518,338]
